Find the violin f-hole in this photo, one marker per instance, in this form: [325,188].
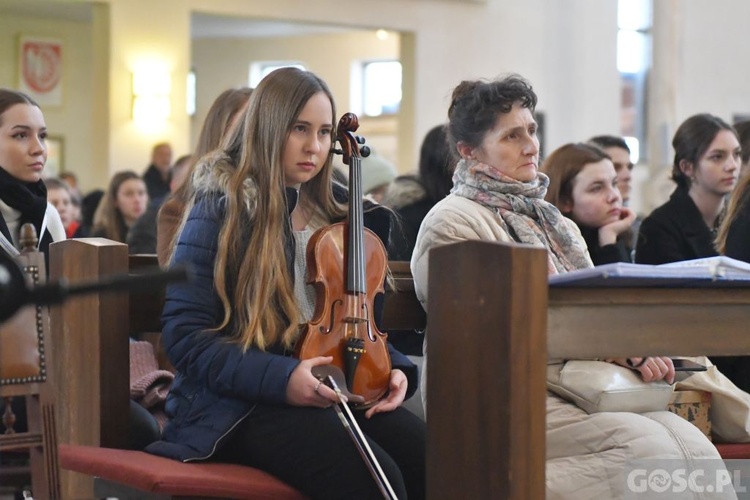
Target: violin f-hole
[370,335]
[333,317]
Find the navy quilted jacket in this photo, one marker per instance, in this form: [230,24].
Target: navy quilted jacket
[217,384]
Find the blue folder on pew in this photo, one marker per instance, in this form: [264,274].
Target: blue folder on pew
[711,271]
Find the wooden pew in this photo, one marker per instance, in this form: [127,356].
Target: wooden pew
[486,381]
[493,306]
[98,448]
[402,311]
[490,303]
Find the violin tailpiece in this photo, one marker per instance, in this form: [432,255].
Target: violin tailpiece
[355,347]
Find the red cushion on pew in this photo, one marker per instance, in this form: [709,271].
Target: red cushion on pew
[155,474]
[729,451]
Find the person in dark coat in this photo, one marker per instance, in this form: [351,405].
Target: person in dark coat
[142,236]
[89,204]
[240,393]
[583,186]
[412,196]
[158,173]
[705,168]
[23,155]
[619,152]
[123,203]
[733,239]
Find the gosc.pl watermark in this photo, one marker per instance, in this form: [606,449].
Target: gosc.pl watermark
[702,478]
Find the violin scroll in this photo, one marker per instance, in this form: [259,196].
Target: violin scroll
[348,124]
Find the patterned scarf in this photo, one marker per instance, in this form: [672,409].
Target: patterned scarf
[523,212]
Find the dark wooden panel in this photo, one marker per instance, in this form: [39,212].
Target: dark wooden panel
[90,337]
[487,359]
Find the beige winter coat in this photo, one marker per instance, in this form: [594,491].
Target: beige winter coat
[587,455]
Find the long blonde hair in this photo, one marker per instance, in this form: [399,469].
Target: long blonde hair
[251,273]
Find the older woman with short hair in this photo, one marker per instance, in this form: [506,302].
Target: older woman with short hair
[498,195]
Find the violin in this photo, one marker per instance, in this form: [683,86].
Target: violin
[347,264]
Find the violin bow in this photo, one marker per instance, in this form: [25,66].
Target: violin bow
[352,428]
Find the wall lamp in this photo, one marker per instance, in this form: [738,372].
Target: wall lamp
[151,95]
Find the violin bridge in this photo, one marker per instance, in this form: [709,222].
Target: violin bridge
[354,320]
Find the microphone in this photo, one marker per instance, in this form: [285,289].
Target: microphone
[15,292]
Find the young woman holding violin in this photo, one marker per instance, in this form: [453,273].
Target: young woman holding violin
[241,393]
[498,195]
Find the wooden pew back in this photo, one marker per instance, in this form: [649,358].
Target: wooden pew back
[486,387]
[491,304]
[402,310]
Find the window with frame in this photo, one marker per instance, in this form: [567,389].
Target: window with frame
[190,95]
[259,70]
[634,21]
[381,87]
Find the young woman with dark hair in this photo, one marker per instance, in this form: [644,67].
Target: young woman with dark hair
[705,167]
[125,200]
[23,154]
[584,187]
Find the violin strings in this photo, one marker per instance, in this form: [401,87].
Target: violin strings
[356,257]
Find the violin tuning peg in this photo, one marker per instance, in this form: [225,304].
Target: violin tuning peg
[360,139]
[337,151]
[364,151]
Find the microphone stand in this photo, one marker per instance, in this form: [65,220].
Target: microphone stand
[15,291]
